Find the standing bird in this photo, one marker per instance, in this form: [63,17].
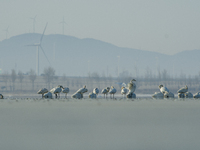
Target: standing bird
[57,91]
[124,91]
[79,93]
[163,89]
[131,87]
[42,91]
[183,89]
[96,91]
[105,91]
[112,91]
[66,91]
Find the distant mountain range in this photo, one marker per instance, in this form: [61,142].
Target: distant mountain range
[77,57]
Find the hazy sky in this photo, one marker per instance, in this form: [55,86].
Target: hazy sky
[165,26]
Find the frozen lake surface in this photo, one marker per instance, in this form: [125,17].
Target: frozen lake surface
[142,124]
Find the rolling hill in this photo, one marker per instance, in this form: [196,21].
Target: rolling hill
[78,57]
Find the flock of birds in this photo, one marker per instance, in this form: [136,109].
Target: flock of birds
[182,93]
[127,92]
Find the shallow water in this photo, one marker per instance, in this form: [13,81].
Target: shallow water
[114,124]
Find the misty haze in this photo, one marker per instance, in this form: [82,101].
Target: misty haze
[99,75]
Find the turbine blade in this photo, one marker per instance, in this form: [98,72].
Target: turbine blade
[43,34]
[45,55]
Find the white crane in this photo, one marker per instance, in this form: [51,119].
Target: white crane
[42,91]
[79,93]
[105,91]
[168,95]
[183,89]
[57,91]
[158,95]
[96,91]
[66,91]
[112,91]
[124,91]
[188,95]
[92,95]
[197,95]
[163,89]
[131,87]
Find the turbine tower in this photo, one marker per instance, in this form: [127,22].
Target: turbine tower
[39,45]
[6,32]
[63,23]
[33,23]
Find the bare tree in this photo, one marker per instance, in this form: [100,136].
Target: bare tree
[20,77]
[13,78]
[49,74]
[5,77]
[32,77]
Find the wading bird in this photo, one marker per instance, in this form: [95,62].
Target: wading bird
[183,89]
[57,91]
[79,93]
[105,91]
[92,95]
[163,89]
[124,91]
[197,95]
[66,91]
[42,91]
[131,87]
[112,91]
[188,95]
[96,91]
[158,95]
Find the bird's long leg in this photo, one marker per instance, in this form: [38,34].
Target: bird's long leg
[42,95]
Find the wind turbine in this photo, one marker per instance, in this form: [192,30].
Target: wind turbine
[6,31]
[38,45]
[63,23]
[33,23]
